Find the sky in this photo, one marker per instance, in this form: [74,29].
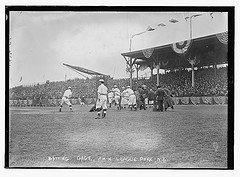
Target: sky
[42,41]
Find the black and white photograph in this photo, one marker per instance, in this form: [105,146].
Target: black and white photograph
[119,88]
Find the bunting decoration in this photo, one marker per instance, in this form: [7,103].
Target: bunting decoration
[195,100]
[185,100]
[219,100]
[223,37]
[148,52]
[154,65]
[176,100]
[205,100]
[181,47]
[164,63]
[194,61]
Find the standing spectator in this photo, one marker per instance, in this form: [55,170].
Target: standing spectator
[151,97]
[159,98]
[137,94]
[141,98]
[168,102]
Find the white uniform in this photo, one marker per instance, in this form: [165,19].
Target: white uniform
[65,99]
[110,97]
[131,96]
[116,93]
[124,99]
[102,97]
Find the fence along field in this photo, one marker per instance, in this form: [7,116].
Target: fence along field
[177,101]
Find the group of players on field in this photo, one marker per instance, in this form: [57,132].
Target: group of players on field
[161,99]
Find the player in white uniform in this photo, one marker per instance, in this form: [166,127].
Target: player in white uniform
[116,93]
[110,98]
[124,98]
[132,103]
[65,99]
[102,99]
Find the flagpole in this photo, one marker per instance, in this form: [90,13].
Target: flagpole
[130,49]
[190,30]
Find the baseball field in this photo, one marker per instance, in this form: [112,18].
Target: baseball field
[189,136]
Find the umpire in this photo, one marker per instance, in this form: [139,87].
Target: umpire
[159,98]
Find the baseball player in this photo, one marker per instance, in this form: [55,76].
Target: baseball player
[131,98]
[110,98]
[65,99]
[101,103]
[124,98]
[116,93]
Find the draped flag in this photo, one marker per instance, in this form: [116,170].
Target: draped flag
[161,24]
[223,37]
[181,47]
[149,28]
[173,20]
[148,52]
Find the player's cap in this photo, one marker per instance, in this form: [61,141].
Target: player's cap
[128,86]
[101,80]
[115,86]
[69,87]
[123,87]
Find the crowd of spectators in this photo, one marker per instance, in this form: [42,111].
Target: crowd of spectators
[208,82]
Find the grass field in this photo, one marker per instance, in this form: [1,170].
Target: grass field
[186,137]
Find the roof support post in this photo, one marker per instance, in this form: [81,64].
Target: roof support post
[137,69]
[193,83]
[215,69]
[158,67]
[151,67]
[130,63]
[158,74]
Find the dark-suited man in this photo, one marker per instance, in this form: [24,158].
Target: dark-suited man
[159,98]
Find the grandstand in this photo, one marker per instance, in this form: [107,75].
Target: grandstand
[209,79]
[210,82]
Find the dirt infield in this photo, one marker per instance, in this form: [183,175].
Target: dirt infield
[186,137]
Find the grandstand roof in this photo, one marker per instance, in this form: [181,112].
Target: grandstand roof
[84,70]
[208,50]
